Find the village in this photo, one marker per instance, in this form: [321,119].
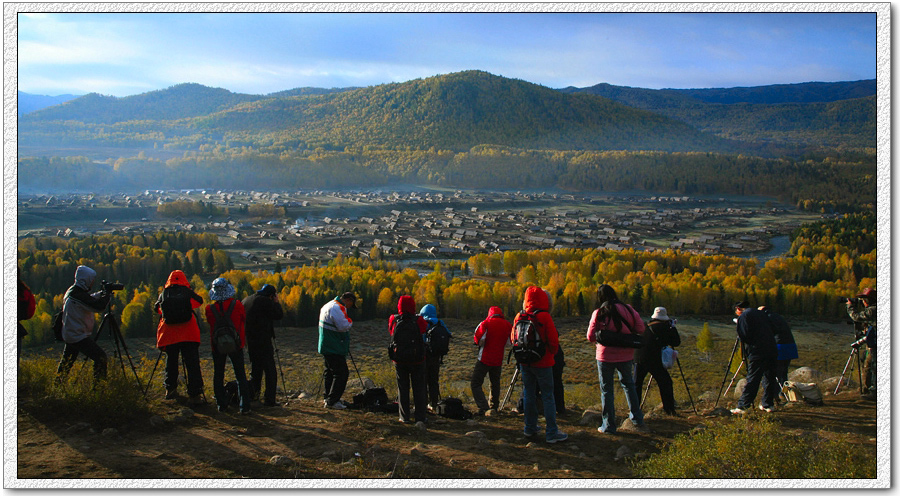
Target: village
[421,225]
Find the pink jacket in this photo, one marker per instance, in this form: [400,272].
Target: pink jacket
[631,323]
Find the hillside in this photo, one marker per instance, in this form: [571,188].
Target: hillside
[28,102]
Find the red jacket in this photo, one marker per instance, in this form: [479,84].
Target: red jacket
[408,305]
[536,299]
[491,336]
[189,331]
[237,316]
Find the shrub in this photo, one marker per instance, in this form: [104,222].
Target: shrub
[756,447]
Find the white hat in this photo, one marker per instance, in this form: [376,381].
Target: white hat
[659,313]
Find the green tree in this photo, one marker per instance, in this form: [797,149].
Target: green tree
[705,343]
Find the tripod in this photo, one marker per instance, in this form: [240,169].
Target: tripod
[683,379]
[278,359]
[111,325]
[853,351]
[737,343]
[512,385]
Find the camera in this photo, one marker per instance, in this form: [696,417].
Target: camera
[109,287]
[852,301]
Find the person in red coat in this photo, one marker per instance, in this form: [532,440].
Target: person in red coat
[540,373]
[26,307]
[222,295]
[180,338]
[410,372]
[491,337]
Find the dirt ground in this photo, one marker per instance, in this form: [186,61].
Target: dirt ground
[301,439]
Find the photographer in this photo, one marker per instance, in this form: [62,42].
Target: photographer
[862,310]
[755,332]
[79,307]
[662,333]
[262,310]
[178,333]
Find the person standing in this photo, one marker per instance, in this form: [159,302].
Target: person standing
[225,306]
[863,313]
[262,310]
[334,345]
[25,310]
[79,307]
[787,347]
[755,332]
[491,337]
[614,315]
[434,357]
[407,351]
[661,332]
[178,333]
[536,313]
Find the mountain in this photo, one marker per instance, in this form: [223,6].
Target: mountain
[28,102]
[813,92]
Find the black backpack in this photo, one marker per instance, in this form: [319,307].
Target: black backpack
[176,305]
[452,408]
[407,345]
[225,337]
[437,340]
[528,347]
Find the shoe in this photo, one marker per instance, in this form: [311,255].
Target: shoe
[222,409]
[738,411]
[406,421]
[600,429]
[529,435]
[769,409]
[337,405]
[171,394]
[559,437]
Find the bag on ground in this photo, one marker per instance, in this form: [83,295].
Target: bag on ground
[437,340]
[407,345]
[528,346]
[176,306]
[668,355]
[225,337]
[803,391]
[452,408]
[373,399]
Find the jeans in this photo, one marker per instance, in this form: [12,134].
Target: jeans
[482,370]
[190,353]
[90,349]
[608,398]
[531,378]
[237,361]
[262,363]
[759,369]
[412,374]
[336,375]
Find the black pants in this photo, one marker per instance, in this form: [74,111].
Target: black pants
[481,370]
[240,375]
[190,353]
[262,363]
[663,381]
[412,375]
[433,375]
[90,349]
[336,375]
[759,369]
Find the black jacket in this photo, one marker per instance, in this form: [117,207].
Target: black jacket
[261,312]
[755,331]
[659,334]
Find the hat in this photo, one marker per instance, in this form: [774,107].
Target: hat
[266,290]
[741,304]
[867,293]
[350,296]
[659,313]
[221,290]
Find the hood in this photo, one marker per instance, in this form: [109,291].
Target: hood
[536,299]
[429,313]
[406,304]
[495,312]
[177,278]
[84,277]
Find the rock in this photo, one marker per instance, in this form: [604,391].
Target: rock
[623,452]
[628,426]
[829,384]
[421,426]
[362,383]
[157,421]
[475,434]
[739,388]
[536,467]
[590,417]
[109,432]
[719,412]
[281,461]
[707,396]
[805,374]
[483,472]
[471,423]
[303,395]
[531,444]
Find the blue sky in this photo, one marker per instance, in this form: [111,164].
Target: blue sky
[129,53]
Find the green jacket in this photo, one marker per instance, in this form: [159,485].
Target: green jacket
[334,329]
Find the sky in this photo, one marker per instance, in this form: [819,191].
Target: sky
[123,54]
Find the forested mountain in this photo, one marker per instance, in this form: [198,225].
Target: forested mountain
[29,103]
[807,114]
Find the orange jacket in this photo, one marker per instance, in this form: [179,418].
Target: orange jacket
[536,299]
[189,331]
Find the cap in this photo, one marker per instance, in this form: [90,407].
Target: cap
[267,290]
[741,304]
[350,296]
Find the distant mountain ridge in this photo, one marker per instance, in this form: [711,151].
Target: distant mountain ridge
[28,102]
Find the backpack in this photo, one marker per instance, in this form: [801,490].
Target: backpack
[437,340]
[58,325]
[803,391]
[528,347]
[225,338]
[407,345]
[374,400]
[452,408]
[176,306]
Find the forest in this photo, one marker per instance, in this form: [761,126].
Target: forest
[829,260]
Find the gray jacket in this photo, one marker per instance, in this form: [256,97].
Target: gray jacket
[79,306]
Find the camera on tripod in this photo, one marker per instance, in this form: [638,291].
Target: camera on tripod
[109,287]
[852,301]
